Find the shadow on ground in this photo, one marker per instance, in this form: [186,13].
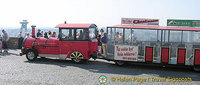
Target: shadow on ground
[16,53]
[9,54]
[101,66]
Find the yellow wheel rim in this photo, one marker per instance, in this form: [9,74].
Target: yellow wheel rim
[76,55]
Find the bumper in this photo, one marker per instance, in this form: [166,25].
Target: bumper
[22,52]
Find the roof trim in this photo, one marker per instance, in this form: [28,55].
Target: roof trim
[156,27]
[75,25]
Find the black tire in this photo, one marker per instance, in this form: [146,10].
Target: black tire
[76,61]
[43,57]
[197,69]
[119,63]
[31,55]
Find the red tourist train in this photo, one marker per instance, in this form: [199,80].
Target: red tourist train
[177,46]
[75,41]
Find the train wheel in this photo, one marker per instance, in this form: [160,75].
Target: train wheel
[119,63]
[76,56]
[31,55]
[43,57]
[196,69]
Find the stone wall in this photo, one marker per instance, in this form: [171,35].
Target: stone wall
[13,43]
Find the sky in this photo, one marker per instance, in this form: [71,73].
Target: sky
[49,13]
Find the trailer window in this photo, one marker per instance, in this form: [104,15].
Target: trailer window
[111,34]
[67,34]
[119,36]
[145,35]
[165,36]
[187,36]
[196,37]
[175,36]
[129,36]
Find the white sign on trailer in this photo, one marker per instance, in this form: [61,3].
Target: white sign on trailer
[126,52]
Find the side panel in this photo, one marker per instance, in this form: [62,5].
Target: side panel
[165,55]
[126,53]
[52,47]
[39,44]
[47,46]
[28,42]
[197,57]
[93,46]
[81,46]
[181,56]
[66,47]
[149,54]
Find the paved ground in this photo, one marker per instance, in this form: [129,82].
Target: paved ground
[16,70]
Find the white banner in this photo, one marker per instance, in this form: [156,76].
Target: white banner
[139,21]
[126,52]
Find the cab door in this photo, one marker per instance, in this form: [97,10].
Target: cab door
[74,39]
[66,40]
[81,42]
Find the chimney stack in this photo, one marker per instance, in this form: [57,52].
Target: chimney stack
[33,30]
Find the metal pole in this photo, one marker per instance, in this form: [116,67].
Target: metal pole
[161,36]
[164,35]
[123,35]
[111,33]
[168,35]
[114,35]
[131,37]
[181,36]
[157,35]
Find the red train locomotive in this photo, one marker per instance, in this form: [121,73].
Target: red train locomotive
[75,41]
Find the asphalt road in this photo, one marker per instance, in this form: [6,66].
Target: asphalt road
[16,70]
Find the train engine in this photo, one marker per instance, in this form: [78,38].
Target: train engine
[77,42]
